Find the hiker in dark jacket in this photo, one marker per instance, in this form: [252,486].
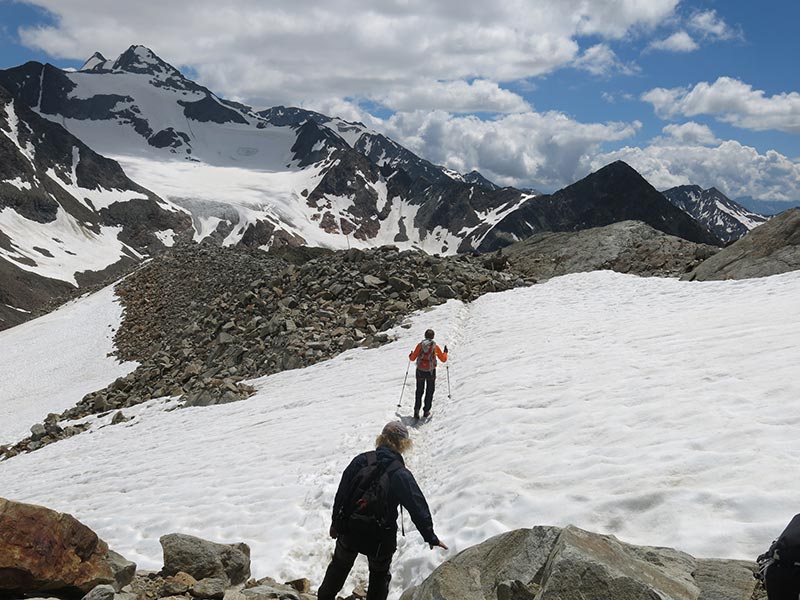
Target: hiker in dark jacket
[378,547]
[426,354]
[782,564]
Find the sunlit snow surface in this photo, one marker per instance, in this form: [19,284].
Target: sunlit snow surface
[50,363]
[663,412]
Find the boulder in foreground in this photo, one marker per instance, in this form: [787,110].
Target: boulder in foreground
[550,563]
[42,550]
[203,559]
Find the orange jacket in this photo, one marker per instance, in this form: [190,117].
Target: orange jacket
[442,356]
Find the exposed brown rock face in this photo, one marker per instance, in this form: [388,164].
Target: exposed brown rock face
[42,550]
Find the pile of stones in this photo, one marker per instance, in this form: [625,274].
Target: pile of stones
[201,319]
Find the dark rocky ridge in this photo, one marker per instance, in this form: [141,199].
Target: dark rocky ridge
[627,247]
[769,249]
[201,319]
[612,194]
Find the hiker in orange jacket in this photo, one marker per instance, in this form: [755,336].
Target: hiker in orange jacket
[426,353]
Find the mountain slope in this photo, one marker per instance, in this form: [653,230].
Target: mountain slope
[725,218]
[68,216]
[612,194]
[572,402]
[769,249]
[282,176]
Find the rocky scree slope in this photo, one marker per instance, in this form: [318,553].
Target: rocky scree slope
[200,319]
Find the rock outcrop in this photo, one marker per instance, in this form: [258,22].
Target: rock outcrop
[769,249]
[549,563]
[203,560]
[626,247]
[42,550]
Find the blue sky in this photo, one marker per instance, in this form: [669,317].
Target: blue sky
[530,92]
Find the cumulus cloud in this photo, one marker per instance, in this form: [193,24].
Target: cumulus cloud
[289,51]
[602,61]
[454,96]
[711,26]
[547,150]
[690,133]
[731,101]
[679,41]
[735,169]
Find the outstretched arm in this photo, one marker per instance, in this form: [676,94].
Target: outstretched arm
[407,491]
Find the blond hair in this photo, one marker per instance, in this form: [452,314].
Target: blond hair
[395,442]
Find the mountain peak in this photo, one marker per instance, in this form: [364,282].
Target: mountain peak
[96,62]
[140,59]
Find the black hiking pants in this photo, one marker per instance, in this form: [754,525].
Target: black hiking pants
[343,558]
[426,384]
[782,582]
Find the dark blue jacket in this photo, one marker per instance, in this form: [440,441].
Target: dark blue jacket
[403,490]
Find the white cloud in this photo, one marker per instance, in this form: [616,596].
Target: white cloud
[542,149]
[690,133]
[735,169]
[454,96]
[602,61]
[289,51]
[679,41]
[731,101]
[711,26]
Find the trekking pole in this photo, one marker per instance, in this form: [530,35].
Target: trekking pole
[447,368]
[404,385]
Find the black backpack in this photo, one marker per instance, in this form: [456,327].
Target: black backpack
[784,551]
[364,512]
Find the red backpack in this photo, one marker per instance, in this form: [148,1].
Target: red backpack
[426,361]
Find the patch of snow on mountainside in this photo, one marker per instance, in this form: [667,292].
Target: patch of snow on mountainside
[61,248]
[50,363]
[745,217]
[18,183]
[13,123]
[349,132]
[93,199]
[660,411]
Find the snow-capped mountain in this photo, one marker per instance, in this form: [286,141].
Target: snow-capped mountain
[728,220]
[281,176]
[68,216]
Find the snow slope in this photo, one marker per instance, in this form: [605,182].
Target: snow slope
[663,412]
[50,363]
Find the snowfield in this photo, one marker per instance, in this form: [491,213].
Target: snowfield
[663,412]
[50,363]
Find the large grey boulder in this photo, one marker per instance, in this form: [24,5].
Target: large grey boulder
[588,566]
[550,563]
[769,249]
[203,559]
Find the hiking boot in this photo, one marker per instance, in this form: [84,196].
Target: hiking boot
[416,415]
[426,414]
